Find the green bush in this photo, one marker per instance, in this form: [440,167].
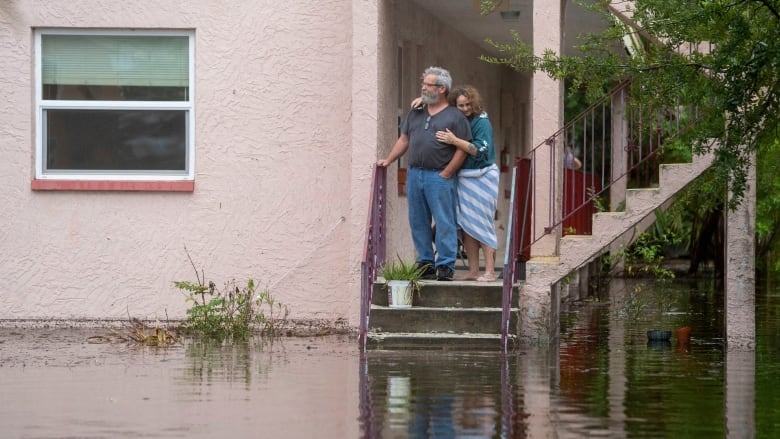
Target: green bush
[232,313]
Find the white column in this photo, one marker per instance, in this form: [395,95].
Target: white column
[741,269]
[619,133]
[546,119]
[617,192]
[365,116]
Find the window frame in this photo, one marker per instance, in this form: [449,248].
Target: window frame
[114,180]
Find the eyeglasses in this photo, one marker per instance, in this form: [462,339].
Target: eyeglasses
[427,123]
[425,84]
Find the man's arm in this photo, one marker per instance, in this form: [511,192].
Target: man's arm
[399,149]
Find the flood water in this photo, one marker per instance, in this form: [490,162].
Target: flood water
[603,379]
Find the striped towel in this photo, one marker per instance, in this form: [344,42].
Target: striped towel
[477,202]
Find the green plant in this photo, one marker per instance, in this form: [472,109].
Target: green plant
[402,270]
[277,313]
[634,306]
[231,313]
[598,201]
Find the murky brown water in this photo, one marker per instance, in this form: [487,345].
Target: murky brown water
[56,384]
[604,379]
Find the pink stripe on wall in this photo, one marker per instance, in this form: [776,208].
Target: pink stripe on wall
[109,185]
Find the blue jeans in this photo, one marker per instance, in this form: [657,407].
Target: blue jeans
[432,197]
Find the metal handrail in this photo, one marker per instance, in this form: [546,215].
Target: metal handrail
[644,135]
[374,246]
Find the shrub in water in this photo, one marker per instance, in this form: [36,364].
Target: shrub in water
[230,313]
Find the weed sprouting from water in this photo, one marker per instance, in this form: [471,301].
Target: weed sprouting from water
[232,313]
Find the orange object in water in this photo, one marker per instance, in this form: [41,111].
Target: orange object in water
[683,339]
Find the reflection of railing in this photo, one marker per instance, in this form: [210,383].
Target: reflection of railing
[374,246]
[616,139]
[402,395]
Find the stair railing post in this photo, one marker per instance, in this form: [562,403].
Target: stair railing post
[373,247]
[548,196]
[619,161]
[509,274]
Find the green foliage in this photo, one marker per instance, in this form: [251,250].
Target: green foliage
[768,206]
[731,74]
[599,202]
[644,257]
[675,151]
[634,306]
[402,269]
[232,313]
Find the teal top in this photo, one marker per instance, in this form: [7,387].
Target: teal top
[482,138]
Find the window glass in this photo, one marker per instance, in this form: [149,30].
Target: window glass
[89,67]
[114,104]
[115,140]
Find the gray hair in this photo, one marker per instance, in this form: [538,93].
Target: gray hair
[443,76]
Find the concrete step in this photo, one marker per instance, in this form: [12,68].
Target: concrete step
[447,315]
[416,340]
[454,294]
[438,320]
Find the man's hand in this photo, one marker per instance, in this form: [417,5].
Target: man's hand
[383,163]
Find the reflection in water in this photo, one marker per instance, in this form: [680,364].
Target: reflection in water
[420,394]
[601,379]
[605,378]
[210,361]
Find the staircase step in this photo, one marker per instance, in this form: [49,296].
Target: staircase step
[609,227]
[455,294]
[438,320]
[416,340]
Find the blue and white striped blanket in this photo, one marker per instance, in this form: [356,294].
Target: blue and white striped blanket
[477,202]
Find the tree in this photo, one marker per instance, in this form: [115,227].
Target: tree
[723,55]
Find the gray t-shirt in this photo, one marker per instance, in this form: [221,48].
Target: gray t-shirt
[424,150]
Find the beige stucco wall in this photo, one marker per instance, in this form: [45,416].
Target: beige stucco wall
[294,102]
[274,167]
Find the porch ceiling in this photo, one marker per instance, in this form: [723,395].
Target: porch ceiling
[464,16]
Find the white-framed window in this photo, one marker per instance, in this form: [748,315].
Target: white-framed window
[114,105]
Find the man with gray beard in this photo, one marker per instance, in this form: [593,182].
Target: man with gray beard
[431,178]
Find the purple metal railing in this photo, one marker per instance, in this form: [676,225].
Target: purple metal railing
[374,246]
[613,122]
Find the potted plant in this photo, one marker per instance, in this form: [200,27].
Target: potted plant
[402,281]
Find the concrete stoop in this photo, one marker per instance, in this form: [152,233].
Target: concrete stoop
[446,315]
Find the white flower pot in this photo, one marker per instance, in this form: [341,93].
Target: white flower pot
[400,293]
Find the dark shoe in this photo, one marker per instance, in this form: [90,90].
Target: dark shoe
[444,273]
[429,273]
